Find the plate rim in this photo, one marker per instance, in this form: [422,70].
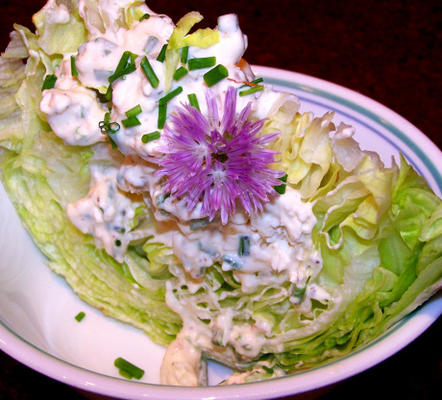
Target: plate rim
[401,335]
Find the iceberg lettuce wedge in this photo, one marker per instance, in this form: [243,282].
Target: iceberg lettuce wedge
[378,229]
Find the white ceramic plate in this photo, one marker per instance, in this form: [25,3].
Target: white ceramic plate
[37,308]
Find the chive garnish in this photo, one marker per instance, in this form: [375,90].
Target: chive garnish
[149,137]
[127,369]
[130,122]
[184,54]
[199,63]
[80,316]
[267,369]
[179,73]
[49,82]
[134,111]
[281,188]
[74,71]
[162,54]
[125,66]
[244,246]
[108,94]
[149,72]
[252,90]
[108,127]
[299,293]
[232,261]
[145,16]
[105,125]
[215,75]
[193,100]
[169,96]
[118,242]
[162,113]
[255,81]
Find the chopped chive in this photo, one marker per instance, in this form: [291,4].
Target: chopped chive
[215,75]
[134,111]
[232,261]
[117,242]
[281,188]
[267,369]
[193,100]
[179,73]
[162,113]
[108,128]
[80,316]
[149,137]
[255,81]
[108,94]
[162,54]
[145,16]
[169,96]
[244,246]
[252,90]
[199,63]
[49,82]
[74,71]
[150,44]
[127,369]
[125,66]
[299,293]
[184,54]
[149,72]
[130,122]
[198,223]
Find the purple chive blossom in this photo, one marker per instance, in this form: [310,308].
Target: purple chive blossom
[218,161]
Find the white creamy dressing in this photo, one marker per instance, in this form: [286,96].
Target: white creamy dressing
[278,245]
[182,363]
[56,13]
[72,110]
[106,212]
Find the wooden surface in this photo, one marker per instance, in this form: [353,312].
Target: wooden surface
[387,50]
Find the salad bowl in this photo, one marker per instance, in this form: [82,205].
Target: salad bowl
[44,325]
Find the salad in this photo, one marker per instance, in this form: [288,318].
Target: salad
[176,191]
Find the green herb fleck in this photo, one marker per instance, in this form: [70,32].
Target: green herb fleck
[134,111]
[184,54]
[281,188]
[162,54]
[130,122]
[193,101]
[169,96]
[80,316]
[49,82]
[199,63]
[149,137]
[127,369]
[74,71]
[215,75]
[162,114]
[149,72]
[252,90]
[244,246]
[179,73]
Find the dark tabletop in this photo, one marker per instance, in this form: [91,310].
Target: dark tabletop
[387,50]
